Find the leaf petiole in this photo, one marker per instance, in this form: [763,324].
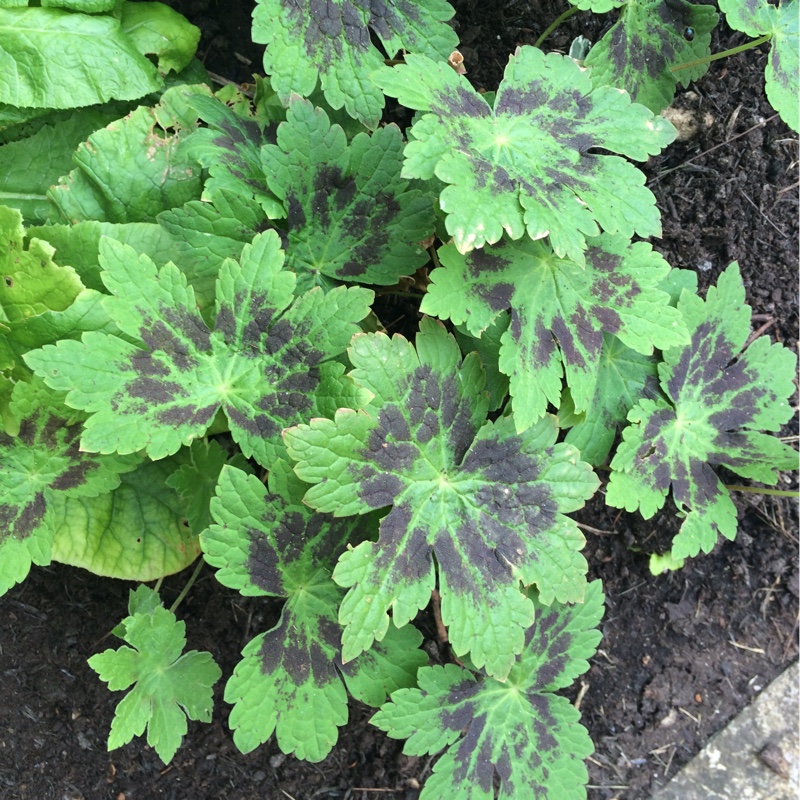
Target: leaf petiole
[556,22]
[189,584]
[724,54]
[759,490]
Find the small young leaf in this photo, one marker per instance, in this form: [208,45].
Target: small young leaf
[307,40]
[519,731]
[718,400]
[650,37]
[42,461]
[88,60]
[559,311]
[169,686]
[350,216]
[487,502]
[525,164]
[290,680]
[264,363]
[782,22]
[136,532]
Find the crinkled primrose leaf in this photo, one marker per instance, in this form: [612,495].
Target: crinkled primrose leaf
[310,39]
[131,170]
[169,687]
[529,163]
[267,363]
[350,216]
[136,532]
[291,680]
[31,283]
[650,37]
[718,399]
[55,59]
[559,311]
[486,501]
[518,731]
[782,22]
[43,460]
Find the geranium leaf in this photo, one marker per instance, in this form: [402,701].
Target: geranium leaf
[169,687]
[623,378]
[263,363]
[350,217]
[307,41]
[487,502]
[559,311]
[229,148]
[717,401]
[758,17]
[518,731]
[650,37]
[137,532]
[89,60]
[525,165]
[130,170]
[291,681]
[41,461]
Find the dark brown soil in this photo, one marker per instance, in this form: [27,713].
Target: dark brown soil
[681,653]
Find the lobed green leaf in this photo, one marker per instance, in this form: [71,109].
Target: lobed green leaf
[718,399]
[526,165]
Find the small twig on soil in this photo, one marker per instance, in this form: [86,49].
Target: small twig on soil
[712,149]
[286,794]
[782,233]
[669,762]
[598,531]
[366,789]
[691,716]
[581,695]
[756,333]
[746,647]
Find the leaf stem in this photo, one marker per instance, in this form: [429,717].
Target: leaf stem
[724,54]
[200,563]
[565,16]
[758,490]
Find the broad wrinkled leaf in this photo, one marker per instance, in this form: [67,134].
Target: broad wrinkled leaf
[651,37]
[43,460]
[130,170]
[782,22]
[136,532]
[526,164]
[230,149]
[267,363]
[32,164]
[559,311]
[350,217]
[86,6]
[291,678]
[51,58]
[31,283]
[518,731]
[169,687]
[717,402]
[309,39]
[487,502]
[598,6]
[156,29]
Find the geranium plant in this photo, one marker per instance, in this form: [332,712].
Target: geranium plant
[201,342]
